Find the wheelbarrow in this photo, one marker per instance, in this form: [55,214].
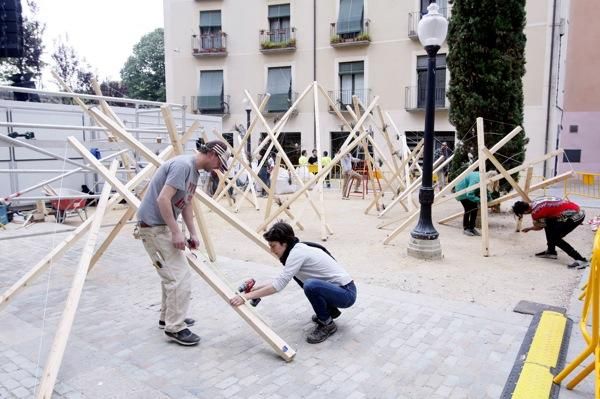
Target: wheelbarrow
[64,207]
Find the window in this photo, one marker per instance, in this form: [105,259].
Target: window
[442,4]
[290,142]
[572,156]
[440,80]
[229,138]
[352,82]
[350,18]
[279,23]
[279,85]
[573,128]
[211,91]
[210,30]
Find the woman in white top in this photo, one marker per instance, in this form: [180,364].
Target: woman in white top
[325,282]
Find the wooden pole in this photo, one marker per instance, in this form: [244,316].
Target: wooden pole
[321,181]
[483,200]
[68,316]
[272,188]
[326,169]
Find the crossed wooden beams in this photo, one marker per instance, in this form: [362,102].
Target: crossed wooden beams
[488,154]
[91,255]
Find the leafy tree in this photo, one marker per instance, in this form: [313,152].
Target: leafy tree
[486,60]
[75,72]
[115,88]
[29,66]
[144,71]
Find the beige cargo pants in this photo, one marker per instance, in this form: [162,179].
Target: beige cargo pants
[174,272]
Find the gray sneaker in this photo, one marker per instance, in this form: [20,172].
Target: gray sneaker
[578,264]
[184,337]
[321,332]
[475,232]
[468,232]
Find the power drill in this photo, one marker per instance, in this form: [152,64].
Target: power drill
[246,287]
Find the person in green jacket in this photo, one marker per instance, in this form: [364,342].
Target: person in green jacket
[470,202]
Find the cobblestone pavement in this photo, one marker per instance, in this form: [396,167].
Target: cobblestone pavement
[391,344]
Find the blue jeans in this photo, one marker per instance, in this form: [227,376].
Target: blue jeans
[323,295]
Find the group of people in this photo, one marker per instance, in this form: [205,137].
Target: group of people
[324,281]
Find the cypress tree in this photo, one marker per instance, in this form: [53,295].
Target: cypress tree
[486,60]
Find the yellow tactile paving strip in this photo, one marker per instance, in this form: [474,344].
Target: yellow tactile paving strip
[535,380]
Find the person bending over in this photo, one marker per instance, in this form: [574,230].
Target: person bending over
[558,217]
[325,282]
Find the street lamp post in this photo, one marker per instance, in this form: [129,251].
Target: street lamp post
[424,239]
[248,109]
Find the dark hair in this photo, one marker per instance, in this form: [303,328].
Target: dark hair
[325,153]
[520,207]
[280,232]
[303,152]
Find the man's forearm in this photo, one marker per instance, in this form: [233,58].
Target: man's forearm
[188,218]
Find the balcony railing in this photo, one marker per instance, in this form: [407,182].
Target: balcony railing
[277,40]
[361,38]
[342,98]
[413,22]
[280,102]
[210,105]
[209,44]
[415,97]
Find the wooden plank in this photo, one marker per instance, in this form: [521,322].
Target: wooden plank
[526,187]
[63,331]
[285,351]
[128,195]
[328,168]
[319,164]
[483,201]
[125,136]
[507,176]
[272,188]
[286,160]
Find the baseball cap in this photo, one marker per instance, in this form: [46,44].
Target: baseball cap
[220,148]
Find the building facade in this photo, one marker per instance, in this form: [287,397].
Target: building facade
[579,92]
[216,49]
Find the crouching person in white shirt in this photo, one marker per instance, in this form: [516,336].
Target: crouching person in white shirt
[325,282]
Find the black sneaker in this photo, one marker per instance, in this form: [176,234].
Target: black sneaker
[547,255]
[334,313]
[188,322]
[183,337]
[321,332]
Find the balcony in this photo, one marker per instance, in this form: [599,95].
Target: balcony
[342,98]
[414,98]
[279,103]
[210,105]
[413,22]
[209,44]
[278,40]
[361,38]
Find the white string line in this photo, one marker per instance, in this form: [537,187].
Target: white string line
[50,269]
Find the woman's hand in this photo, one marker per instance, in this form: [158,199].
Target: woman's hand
[236,300]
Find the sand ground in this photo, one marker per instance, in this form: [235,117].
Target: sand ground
[510,274]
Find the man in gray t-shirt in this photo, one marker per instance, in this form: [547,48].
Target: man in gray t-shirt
[169,195]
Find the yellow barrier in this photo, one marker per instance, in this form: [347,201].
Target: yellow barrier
[583,184]
[591,308]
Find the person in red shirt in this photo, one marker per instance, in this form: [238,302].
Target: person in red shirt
[558,217]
